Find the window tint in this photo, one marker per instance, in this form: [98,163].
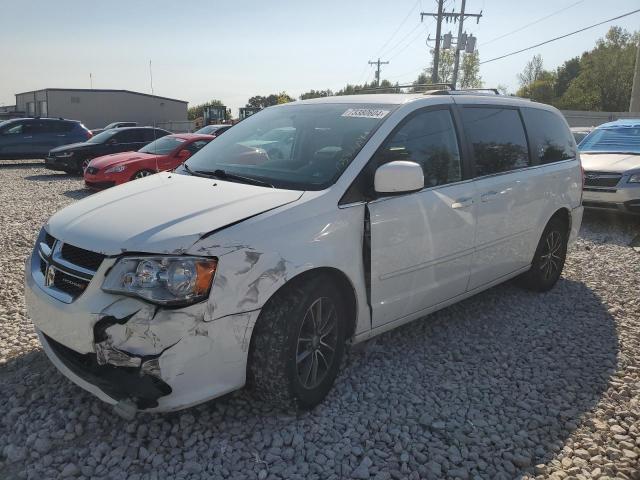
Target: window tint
[13,128]
[497,137]
[550,138]
[429,139]
[131,136]
[197,145]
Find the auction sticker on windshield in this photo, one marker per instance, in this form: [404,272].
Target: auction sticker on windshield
[365,113]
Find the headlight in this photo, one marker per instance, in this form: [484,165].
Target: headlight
[635,178]
[164,280]
[64,154]
[116,169]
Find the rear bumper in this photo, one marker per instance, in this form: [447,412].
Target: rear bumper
[621,200]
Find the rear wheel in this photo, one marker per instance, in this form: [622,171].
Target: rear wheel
[549,258]
[84,164]
[298,344]
[142,174]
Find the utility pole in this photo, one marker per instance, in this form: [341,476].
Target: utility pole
[634,104]
[456,63]
[448,16]
[378,63]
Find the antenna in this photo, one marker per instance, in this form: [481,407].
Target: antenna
[151,76]
[91,80]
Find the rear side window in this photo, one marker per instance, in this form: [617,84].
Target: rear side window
[428,139]
[497,138]
[550,138]
[133,135]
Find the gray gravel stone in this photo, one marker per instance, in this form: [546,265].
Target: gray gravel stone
[507,384]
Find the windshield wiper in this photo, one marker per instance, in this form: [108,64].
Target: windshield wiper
[223,175]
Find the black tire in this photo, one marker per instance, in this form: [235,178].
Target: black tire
[549,258]
[281,337]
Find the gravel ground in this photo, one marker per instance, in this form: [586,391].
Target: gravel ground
[508,384]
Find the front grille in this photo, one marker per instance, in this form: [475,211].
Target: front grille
[92,170]
[74,286]
[99,185]
[81,257]
[601,179]
[66,269]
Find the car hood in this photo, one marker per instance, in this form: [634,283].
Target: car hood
[73,146]
[117,158]
[609,162]
[163,213]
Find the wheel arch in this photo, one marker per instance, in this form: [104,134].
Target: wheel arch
[345,287]
[564,214]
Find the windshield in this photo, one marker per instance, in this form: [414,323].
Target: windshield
[111,125]
[303,147]
[162,146]
[619,139]
[102,136]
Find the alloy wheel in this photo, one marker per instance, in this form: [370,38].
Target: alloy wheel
[85,164]
[317,342]
[142,174]
[551,257]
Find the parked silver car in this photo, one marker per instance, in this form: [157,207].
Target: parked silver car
[611,161]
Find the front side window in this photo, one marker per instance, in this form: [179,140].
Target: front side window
[616,139]
[132,135]
[163,146]
[497,137]
[305,147]
[550,138]
[428,139]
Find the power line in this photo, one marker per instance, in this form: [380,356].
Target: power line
[532,23]
[399,27]
[409,43]
[561,37]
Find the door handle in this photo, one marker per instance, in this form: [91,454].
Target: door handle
[462,202]
[485,197]
[30,136]
[62,135]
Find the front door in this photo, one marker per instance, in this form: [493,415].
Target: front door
[422,243]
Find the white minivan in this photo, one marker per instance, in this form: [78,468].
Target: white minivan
[262,256]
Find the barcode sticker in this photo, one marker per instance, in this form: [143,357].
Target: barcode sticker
[365,113]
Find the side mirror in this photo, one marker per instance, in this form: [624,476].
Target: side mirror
[400,176]
[184,154]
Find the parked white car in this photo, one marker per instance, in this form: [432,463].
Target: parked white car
[240,268]
[611,160]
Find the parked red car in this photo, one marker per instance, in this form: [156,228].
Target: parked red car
[166,153]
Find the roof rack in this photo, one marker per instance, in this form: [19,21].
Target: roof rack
[418,87]
[431,89]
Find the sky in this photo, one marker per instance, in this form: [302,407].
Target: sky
[232,50]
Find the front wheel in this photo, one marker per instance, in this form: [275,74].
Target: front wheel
[142,174]
[549,258]
[298,344]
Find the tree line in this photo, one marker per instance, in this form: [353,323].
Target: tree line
[600,79]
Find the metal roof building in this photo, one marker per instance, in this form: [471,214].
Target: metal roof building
[99,107]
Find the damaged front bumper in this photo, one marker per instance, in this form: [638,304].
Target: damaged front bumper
[125,349]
